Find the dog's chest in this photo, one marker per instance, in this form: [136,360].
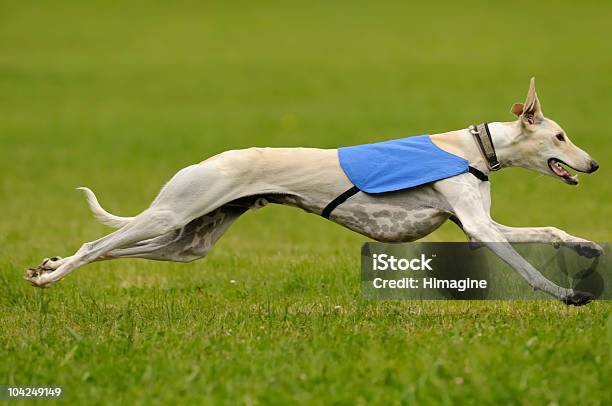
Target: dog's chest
[400,216]
[392,223]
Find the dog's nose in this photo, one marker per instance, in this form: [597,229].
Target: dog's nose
[594,166]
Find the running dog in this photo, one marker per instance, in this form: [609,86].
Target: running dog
[201,201]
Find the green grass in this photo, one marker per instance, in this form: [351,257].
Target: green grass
[120,97]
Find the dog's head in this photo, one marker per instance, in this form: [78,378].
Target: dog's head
[543,146]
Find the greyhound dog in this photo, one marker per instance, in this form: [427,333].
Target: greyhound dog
[201,201]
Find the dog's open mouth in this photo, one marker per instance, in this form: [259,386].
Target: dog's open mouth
[556,166]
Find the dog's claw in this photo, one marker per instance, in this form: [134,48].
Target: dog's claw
[578,298]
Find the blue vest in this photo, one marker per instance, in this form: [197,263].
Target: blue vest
[398,164]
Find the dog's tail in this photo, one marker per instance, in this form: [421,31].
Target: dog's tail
[102,215]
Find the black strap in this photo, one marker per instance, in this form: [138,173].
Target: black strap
[482,135]
[338,201]
[354,190]
[478,174]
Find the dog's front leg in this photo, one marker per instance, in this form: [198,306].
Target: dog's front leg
[551,235]
[548,235]
[463,195]
[485,232]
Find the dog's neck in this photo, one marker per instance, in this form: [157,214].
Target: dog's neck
[463,144]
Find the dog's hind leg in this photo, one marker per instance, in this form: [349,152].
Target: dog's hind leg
[189,243]
[191,193]
[149,224]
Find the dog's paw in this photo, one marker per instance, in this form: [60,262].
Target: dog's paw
[578,298]
[38,277]
[586,249]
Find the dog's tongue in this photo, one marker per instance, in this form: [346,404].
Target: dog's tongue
[559,170]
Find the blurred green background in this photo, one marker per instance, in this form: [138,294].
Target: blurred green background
[119,96]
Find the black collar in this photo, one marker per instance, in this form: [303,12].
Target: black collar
[482,135]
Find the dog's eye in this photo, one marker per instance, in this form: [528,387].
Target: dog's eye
[561,137]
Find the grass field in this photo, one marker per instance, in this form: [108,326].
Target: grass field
[118,98]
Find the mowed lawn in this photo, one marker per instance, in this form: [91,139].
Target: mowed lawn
[118,98]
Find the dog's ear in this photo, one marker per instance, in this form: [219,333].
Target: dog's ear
[532,111]
[517,109]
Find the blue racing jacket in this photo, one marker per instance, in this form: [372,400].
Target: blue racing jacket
[398,164]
